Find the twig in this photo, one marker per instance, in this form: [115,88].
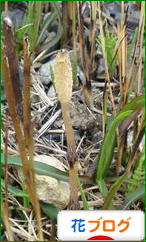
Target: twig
[49,123]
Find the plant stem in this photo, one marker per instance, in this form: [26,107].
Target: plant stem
[72,156]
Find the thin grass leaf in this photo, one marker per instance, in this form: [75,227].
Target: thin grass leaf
[107,150]
[110,43]
[40,168]
[46,170]
[50,210]
[22,28]
[48,21]
[114,188]
[36,24]
[31,24]
[16,192]
[135,105]
[139,193]
[46,47]
[103,46]
[102,187]
[83,196]
[104,108]
[27,21]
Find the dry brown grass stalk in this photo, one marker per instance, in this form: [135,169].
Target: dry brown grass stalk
[26,93]
[6,221]
[138,50]
[27,166]
[85,59]
[105,59]
[9,41]
[27,163]
[141,52]
[28,131]
[93,34]
[122,51]
[5,206]
[67,18]
[122,58]
[127,70]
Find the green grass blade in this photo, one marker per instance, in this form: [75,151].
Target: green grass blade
[60,28]
[102,187]
[50,210]
[46,24]
[13,190]
[114,188]
[137,194]
[110,43]
[31,24]
[107,150]
[136,104]
[34,30]
[45,169]
[83,196]
[40,168]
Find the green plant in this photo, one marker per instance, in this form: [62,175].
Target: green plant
[107,150]
[45,169]
[110,43]
[34,26]
[31,24]
[137,174]
[139,193]
[119,164]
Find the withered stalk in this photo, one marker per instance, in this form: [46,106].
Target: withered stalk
[26,164]
[28,131]
[9,41]
[26,94]
[9,72]
[5,206]
[85,59]
[6,222]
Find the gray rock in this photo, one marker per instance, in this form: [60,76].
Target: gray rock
[51,92]
[17,16]
[101,69]
[17,12]
[133,16]
[112,9]
[49,189]
[45,72]
[81,119]
[52,191]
